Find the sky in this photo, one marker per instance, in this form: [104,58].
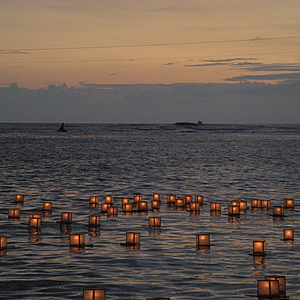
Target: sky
[92,44]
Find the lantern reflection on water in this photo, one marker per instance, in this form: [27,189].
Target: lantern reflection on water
[94,201]
[93,294]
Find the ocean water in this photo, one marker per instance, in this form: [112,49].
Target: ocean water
[220,162]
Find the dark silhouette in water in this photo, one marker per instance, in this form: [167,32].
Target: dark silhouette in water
[61,128]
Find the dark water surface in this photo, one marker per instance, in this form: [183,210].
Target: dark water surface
[222,163]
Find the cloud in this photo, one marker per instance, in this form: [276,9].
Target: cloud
[272,67]
[266,77]
[13,52]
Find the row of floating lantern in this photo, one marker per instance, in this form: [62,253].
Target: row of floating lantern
[272,287]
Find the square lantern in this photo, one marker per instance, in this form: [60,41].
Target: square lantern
[112,211]
[19,198]
[289,203]
[278,211]
[235,202]
[215,206]
[66,217]
[233,210]
[94,220]
[282,282]
[77,240]
[203,240]
[142,206]
[243,205]
[154,222]
[137,199]
[125,200]
[35,222]
[109,200]
[288,234]
[180,202]
[3,242]
[104,207]
[267,288]
[93,294]
[47,206]
[133,238]
[171,199]
[14,213]
[127,208]
[256,203]
[266,204]
[195,206]
[155,204]
[199,199]
[94,201]
[188,199]
[156,197]
[259,247]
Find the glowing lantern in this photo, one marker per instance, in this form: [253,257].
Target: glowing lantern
[154,222]
[3,242]
[215,206]
[282,282]
[132,238]
[14,213]
[180,202]
[288,234]
[104,207]
[195,206]
[266,204]
[289,203]
[77,240]
[125,201]
[112,211]
[94,201]
[199,199]
[142,206]
[66,217]
[278,211]
[243,205]
[19,198]
[93,294]
[127,208]
[109,200]
[259,247]
[155,204]
[94,220]
[47,206]
[35,222]
[156,197]
[203,240]
[188,199]
[137,199]
[268,288]
[233,210]
[171,199]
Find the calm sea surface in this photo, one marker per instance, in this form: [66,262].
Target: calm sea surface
[222,163]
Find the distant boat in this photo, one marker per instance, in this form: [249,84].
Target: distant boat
[61,128]
[199,123]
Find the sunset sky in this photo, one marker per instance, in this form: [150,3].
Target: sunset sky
[148,41]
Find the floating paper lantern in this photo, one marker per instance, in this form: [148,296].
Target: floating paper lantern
[77,240]
[19,198]
[94,220]
[199,199]
[94,201]
[109,200]
[268,288]
[156,197]
[282,282]
[132,238]
[14,213]
[35,222]
[155,204]
[112,211]
[243,205]
[289,203]
[66,217]
[171,199]
[188,199]
[47,206]
[255,204]
[259,247]
[104,207]
[154,222]
[125,200]
[215,206]
[180,202]
[127,208]
[288,234]
[3,242]
[137,199]
[195,206]
[235,202]
[142,206]
[233,210]
[266,204]
[203,240]
[278,211]
[93,294]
